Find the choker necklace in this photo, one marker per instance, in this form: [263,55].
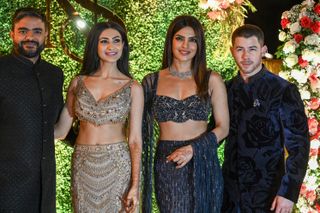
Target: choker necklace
[181,75]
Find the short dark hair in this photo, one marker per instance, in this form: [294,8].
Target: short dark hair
[91,60]
[199,64]
[248,30]
[28,12]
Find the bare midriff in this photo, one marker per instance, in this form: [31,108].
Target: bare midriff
[109,133]
[181,131]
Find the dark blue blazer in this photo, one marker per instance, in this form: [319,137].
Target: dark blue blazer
[266,118]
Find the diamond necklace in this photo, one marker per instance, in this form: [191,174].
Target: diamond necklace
[181,75]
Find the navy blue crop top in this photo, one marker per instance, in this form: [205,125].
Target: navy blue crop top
[166,108]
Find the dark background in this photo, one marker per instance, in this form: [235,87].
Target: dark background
[268,17]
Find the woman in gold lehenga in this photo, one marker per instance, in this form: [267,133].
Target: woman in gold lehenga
[104,97]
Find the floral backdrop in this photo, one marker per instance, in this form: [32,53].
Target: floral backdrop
[300,52]
[229,13]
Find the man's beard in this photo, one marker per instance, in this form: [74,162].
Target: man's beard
[29,53]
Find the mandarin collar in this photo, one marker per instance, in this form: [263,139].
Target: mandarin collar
[253,78]
[25,61]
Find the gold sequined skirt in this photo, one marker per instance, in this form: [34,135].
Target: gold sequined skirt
[100,177]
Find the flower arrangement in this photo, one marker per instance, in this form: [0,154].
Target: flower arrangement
[225,9]
[229,13]
[300,52]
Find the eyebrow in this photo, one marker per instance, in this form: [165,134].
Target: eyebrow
[25,28]
[253,46]
[108,38]
[194,36]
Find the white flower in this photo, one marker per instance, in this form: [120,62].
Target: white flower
[284,74]
[304,209]
[311,182]
[295,28]
[305,94]
[314,144]
[312,39]
[282,36]
[203,5]
[316,59]
[317,69]
[289,46]
[308,55]
[303,12]
[300,76]
[213,4]
[313,163]
[291,60]
[308,3]
[284,14]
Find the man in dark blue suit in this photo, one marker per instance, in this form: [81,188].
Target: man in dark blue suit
[267,117]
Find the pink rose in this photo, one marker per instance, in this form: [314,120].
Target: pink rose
[313,152]
[314,103]
[224,5]
[314,81]
[311,196]
[313,126]
[303,189]
[215,15]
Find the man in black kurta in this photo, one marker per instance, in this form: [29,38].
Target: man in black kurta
[267,117]
[30,101]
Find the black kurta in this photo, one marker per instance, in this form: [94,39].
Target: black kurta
[30,102]
[266,116]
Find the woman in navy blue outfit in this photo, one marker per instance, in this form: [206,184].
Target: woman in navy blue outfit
[181,97]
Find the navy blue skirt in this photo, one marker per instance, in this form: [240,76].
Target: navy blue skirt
[175,188]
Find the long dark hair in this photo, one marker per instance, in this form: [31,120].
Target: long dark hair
[91,60]
[199,65]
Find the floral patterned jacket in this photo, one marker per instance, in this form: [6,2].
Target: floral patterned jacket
[267,121]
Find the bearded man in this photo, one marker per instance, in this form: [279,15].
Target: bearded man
[30,102]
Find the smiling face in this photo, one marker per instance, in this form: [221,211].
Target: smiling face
[248,53]
[184,45]
[28,36]
[110,45]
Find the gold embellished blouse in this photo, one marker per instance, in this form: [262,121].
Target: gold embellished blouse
[112,109]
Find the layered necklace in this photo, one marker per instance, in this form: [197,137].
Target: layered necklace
[181,75]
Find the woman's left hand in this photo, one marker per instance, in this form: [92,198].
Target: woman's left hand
[181,156]
[132,201]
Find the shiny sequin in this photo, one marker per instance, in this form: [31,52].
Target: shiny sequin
[100,177]
[112,109]
[166,108]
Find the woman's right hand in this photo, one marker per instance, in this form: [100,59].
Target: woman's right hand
[181,156]
[132,201]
